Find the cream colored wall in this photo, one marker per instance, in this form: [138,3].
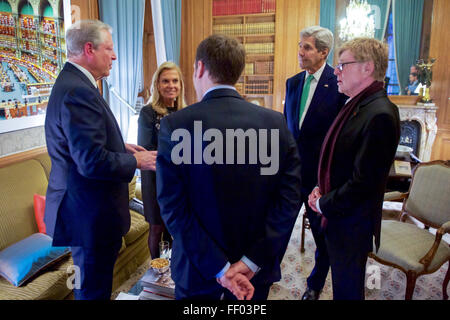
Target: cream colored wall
[17,141]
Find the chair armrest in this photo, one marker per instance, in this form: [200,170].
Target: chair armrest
[426,260]
[391,210]
[445,228]
[395,195]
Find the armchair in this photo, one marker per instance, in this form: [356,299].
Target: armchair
[414,250]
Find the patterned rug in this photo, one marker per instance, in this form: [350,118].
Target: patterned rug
[296,267]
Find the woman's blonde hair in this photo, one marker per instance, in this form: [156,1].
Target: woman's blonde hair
[368,49]
[156,99]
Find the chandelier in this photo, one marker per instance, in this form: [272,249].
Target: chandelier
[359,22]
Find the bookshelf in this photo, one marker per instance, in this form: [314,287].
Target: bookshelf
[251,22]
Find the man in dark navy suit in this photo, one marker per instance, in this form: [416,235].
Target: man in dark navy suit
[228,183]
[312,102]
[87,196]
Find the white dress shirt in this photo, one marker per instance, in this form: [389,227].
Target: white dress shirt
[219,86]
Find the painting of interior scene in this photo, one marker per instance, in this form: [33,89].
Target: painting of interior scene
[32,52]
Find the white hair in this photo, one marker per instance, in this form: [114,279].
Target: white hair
[323,37]
[82,32]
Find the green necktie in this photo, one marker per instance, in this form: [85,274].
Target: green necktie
[305,94]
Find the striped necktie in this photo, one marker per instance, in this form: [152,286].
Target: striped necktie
[305,94]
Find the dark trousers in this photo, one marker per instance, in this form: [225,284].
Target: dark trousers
[316,279]
[96,267]
[348,270]
[218,292]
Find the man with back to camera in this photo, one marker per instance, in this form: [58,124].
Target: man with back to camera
[230,219]
[312,102]
[87,196]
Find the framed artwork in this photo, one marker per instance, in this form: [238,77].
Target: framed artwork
[32,53]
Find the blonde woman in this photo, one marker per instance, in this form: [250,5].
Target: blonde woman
[167,96]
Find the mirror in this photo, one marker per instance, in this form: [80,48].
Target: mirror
[410,85]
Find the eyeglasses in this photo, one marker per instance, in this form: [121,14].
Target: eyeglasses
[340,66]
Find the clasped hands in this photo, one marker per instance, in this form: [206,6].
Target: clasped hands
[312,199]
[237,280]
[146,160]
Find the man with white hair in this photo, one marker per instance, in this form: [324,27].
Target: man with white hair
[312,102]
[87,195]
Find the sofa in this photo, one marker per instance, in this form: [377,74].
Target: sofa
[25,174]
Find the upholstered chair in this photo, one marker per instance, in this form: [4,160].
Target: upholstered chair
[410,248]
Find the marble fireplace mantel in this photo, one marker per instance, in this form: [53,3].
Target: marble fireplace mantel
[425,115]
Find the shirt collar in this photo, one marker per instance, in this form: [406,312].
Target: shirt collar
[85,72]
[220,86]
[318,73]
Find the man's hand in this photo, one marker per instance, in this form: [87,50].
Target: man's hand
[239,285]
[132,148]
[312,198]
[146,160]
[240,267]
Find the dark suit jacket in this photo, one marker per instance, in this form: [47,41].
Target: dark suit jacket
[325,105]
[87,195]
[220,212]
[363,155]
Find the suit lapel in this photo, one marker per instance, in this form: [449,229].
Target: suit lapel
[71,68]
[322,90]
[322,87]
[298,97]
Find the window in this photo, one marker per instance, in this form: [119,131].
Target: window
[391,73]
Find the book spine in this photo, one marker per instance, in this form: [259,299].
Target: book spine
[158,293]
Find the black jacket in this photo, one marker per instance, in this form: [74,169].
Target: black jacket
[363,155]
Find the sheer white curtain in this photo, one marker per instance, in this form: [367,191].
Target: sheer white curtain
[158,31]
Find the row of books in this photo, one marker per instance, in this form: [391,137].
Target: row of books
[259,48]
[259,87]
[8,43]
[231,7]
[30,110]
[8,31]
[259,67]
[7,20]
[245,29]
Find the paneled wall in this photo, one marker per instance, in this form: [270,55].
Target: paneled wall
[440,86]
[196,25]
[88,9]
[149,52]
[291,17]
